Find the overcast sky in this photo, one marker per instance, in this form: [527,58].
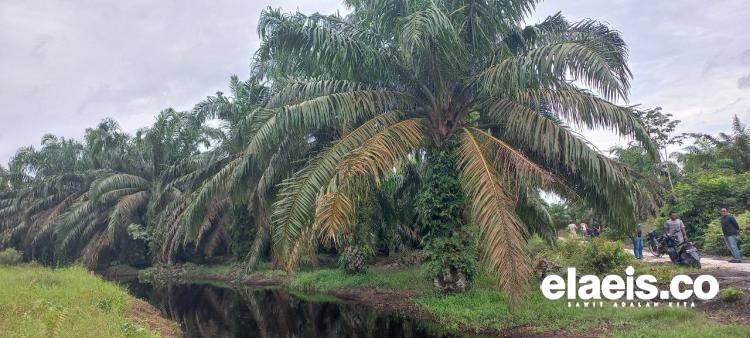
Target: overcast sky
[65,65]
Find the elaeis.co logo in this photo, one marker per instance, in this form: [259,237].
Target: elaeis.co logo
[632,291]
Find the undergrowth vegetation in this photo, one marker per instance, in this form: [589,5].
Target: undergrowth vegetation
[484,308]
[598,256]
[10,256]
[714,238]
[42,302]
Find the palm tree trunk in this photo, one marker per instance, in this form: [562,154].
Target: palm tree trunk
[440,204]
[262,237]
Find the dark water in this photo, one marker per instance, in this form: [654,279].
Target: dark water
[215,311]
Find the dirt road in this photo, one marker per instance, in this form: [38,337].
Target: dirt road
[734,274]
[707,262]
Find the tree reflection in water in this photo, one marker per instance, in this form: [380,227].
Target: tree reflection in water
[213,311]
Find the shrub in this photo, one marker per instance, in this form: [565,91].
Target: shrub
[449,255]
[10,256]
[352,260]
[571,250]
[602,256]
[598,256]
[616,233]
[536,246]
[731,294]
[714,238]
[701,195]
[743,220]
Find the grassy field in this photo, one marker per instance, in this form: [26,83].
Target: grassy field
[483,307]
[68,302]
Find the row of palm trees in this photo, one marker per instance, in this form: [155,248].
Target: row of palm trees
[335,108]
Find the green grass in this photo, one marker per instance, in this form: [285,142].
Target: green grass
[662,271]
[68,302]
[484,307]
[374,277]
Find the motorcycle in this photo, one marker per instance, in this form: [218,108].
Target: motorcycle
[679,252]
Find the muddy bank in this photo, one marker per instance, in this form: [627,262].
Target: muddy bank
[734,312]
[145,314]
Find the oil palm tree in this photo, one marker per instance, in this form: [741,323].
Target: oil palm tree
[395,79]
[736,145]
[45,183]
[726,150]
[135,186]
[113,182]
[4,179]
[232,177]
[207,202]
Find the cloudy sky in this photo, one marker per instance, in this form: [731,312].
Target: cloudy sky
[65,65]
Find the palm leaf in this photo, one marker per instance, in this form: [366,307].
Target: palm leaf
[493,212]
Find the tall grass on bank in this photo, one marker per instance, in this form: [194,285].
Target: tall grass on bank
[483,307]
[68,302]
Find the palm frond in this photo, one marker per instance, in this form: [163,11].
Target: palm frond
[383,151]
[493,212]
[293,210]
[334,215]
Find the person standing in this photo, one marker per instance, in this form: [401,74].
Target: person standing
[572,229]
[638,245]
[584,229]
[674,226]
[596,229]
[730,228]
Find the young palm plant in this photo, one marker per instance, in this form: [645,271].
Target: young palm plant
[394,79]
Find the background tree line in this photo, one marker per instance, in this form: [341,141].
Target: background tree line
[434,125]
[703,174]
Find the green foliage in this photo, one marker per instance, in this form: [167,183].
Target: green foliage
[731,294]
[241,231]
[598,256]
[445,69]
[536,246]
[713,240]
[138,232]
[714,237]
[352,260]
[440,206]
[603,256]
[448,255]
[567,213]
[336,105]
[10,257]
[703,194]
[378,278]
[720,153]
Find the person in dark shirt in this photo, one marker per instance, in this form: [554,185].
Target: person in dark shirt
[596,229]
[730,228]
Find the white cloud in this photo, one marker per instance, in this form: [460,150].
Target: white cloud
[686,56]
[65,65]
